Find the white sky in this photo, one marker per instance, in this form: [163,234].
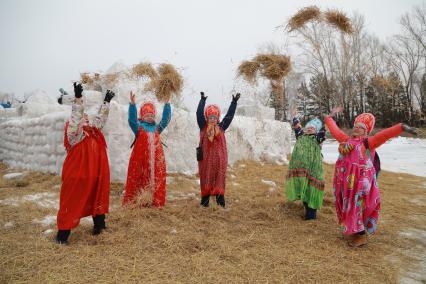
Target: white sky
[45,44]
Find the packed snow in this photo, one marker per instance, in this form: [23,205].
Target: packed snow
[32,132]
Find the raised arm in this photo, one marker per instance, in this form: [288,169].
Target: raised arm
[382,136]
[167,114]
[335,130]
[102,116]
[133,118]
[75,131]
[226,121]
[201,120]
[298,130]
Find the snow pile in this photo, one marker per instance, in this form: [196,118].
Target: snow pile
[32,134]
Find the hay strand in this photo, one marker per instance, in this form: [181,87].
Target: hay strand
[273,66]
[304,15]
[85,78]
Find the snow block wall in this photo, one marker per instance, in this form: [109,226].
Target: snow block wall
[31,135]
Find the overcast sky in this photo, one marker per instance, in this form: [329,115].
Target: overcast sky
[45,44]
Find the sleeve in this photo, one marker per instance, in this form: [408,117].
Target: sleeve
[133,118]
[75,131]
[201,120]
[298,131]
[335,130]
[102,116]
[167,114]
[321,135]
[382,136]
[226,121]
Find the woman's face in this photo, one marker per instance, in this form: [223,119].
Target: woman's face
[150,118]
[212,119]
[359,130]
[310,130]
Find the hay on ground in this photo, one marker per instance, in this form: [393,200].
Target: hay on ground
[168,83]
[144,70]
[304,15]
[339,20]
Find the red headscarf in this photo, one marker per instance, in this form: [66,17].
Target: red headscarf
[146,108]
[367,119]
[212,110]
[213,129]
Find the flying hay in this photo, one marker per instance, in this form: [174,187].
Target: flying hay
[304,15]
[339,20]
[248,70]
[168,83]
[144,70]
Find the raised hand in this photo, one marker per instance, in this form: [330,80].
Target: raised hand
[336,110]
[108,96]
[78,90]
[409,129]
[203,96]
[236,97]
[132,98]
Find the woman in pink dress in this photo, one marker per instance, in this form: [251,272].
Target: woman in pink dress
[355,177]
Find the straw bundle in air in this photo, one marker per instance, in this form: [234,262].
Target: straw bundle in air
[168,83]
[273,66]
[85,78]
[144,70]
[248,70]
[339,20]
[304,15]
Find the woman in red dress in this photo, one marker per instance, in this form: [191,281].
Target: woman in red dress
[146,175]
[85,173]
[212,153]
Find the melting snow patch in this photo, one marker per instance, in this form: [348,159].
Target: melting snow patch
[8,225]
[48,231]
[269,182]
[46,221]
[416,273]
[173,231]
[10,201]
[43,199]
[14,176]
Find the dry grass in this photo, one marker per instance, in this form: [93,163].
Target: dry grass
[168,83]
[339,20]
[259,238]
[144,70]
[303,16]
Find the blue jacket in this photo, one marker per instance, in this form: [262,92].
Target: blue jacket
[134,123]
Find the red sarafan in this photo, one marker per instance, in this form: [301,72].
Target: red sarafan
[146,174]
[85,179]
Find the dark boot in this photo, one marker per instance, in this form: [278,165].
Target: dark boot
[98,224]
[62,237]
[205,201]
[311,214]
[220,199]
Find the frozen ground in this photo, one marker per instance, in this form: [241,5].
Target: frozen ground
[405,155]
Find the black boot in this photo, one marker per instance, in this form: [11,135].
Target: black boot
[220,199]
[62,237]
[98,224]
[205,201]
[311,214]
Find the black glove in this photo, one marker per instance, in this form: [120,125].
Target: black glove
[108,96]
[236,97]
[409,129]
[60,100]
[78,90]
[203,97]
